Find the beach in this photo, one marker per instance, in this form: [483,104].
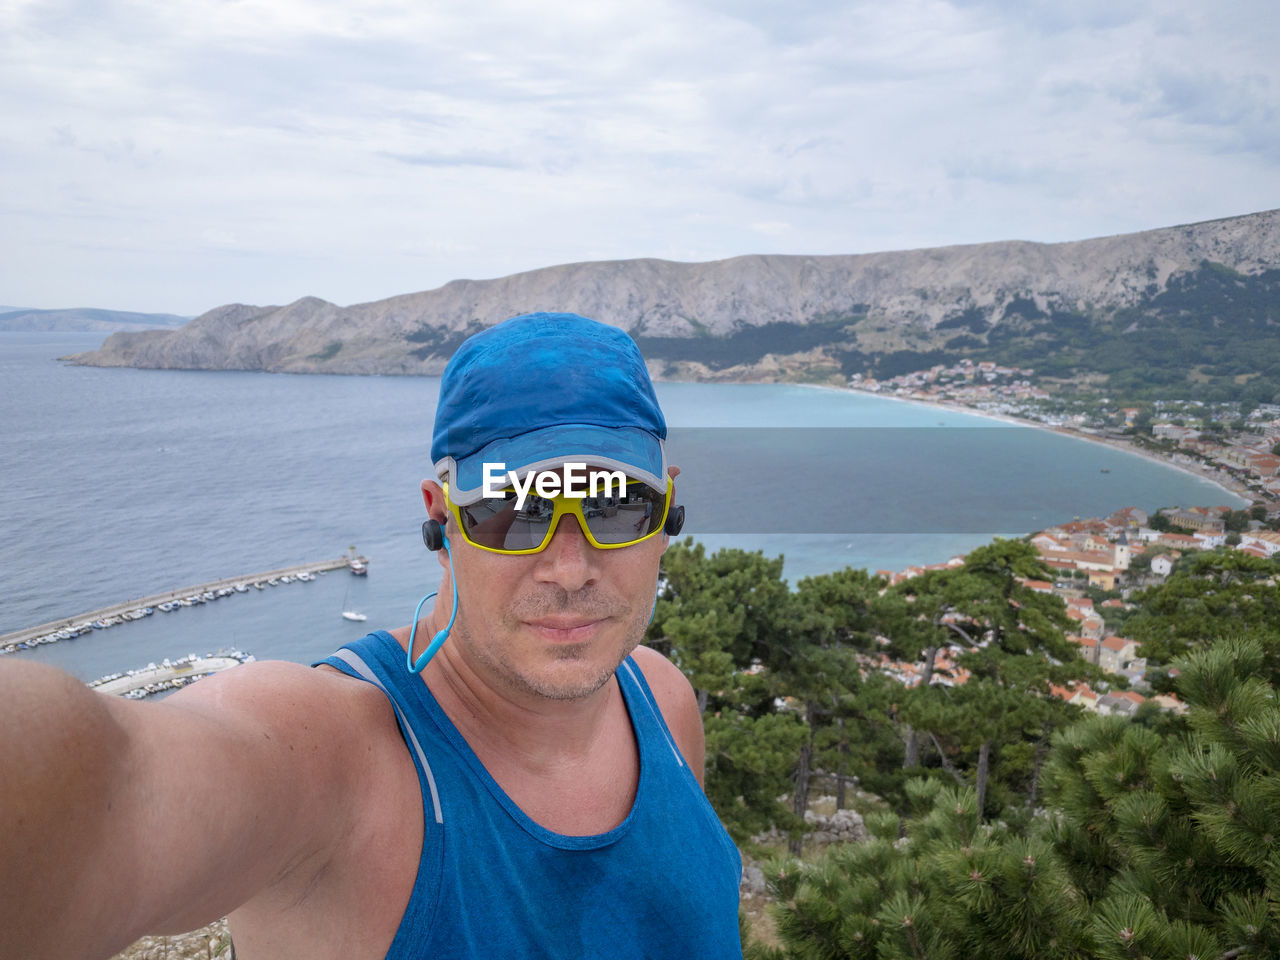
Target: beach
[1227,484]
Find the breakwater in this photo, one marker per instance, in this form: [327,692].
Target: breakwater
[66,628]
[159,678]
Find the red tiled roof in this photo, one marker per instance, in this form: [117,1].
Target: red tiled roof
[1088,556]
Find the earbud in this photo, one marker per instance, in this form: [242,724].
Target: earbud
[433,536]
[433,533]
[675,521]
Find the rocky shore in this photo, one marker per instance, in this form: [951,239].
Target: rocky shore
[212,942]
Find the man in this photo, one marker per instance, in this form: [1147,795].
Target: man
[509,776]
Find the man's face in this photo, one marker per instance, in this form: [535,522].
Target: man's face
[557,623]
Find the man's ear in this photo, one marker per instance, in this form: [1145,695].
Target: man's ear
[672,471]
[433,500]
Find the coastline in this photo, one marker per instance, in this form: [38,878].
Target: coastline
[1199,473]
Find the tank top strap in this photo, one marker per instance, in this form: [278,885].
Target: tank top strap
[367,659]
[378,659]
[632,679]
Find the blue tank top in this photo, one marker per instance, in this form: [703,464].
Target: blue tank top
[491,882]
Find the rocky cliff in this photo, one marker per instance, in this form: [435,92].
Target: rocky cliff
[752,317]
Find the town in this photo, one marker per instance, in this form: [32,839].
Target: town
[1096,563]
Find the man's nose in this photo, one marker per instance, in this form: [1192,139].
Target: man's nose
[569,559]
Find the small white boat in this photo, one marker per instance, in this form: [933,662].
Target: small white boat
[348,613]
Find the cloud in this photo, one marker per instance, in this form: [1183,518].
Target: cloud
[1239,110]
[327,143]
[453,160]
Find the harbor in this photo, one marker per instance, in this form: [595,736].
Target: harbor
[66,628]
[158,678]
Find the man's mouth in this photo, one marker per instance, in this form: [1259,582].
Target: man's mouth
[564,629]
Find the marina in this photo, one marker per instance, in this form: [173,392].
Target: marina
[67,628]
[159,678]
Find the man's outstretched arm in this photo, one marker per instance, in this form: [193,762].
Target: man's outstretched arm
[120,818]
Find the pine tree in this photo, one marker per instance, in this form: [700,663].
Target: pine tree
[949,887]
[1011,640]
[1176,842]
[714,616]
[815,663]
[1155,846]
[1208,596]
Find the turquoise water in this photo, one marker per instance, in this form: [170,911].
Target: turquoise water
[121,483]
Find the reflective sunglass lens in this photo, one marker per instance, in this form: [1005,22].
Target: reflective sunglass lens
[624,519]
[496,524]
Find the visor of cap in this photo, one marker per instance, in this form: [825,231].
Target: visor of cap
[635,451]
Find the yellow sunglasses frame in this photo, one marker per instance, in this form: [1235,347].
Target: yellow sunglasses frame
[563,506]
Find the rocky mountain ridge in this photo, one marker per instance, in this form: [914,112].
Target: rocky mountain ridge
[765,317]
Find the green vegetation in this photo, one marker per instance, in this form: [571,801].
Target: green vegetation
[328,353]
[1003,822]
[1212,335]
[1155,844]
[439,341]
[789,681]
[1207,594]
[749,344]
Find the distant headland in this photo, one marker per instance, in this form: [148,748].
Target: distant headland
[85,319]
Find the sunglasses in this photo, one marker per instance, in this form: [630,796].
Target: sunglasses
[609,522]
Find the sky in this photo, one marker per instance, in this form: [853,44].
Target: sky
[168,156]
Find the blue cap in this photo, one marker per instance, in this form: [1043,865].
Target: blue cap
[541,390]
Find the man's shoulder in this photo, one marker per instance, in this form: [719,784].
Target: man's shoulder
[663,676]
[677,701]
[284,693]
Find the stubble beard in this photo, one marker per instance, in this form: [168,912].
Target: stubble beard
[575,686]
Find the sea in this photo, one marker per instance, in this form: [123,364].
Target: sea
[122,483]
